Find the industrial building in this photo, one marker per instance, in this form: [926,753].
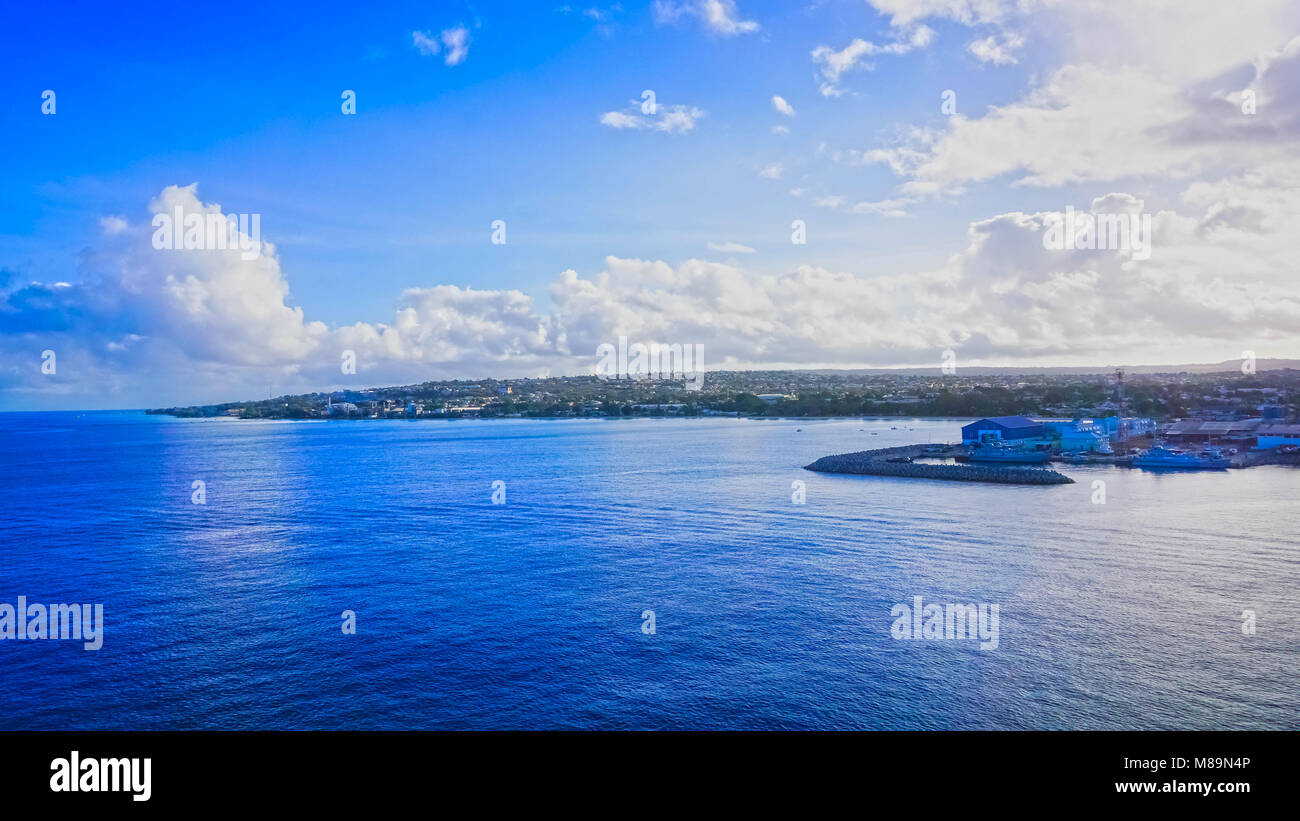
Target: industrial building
[1273,436]
[1197,431]
[1259,433]
[1079,434]
[1089,435]
[1001,428]
[1133,426]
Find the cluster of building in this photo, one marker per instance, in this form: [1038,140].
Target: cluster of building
[1074,435]
[1095,435]
[1077,410]
[1259,433]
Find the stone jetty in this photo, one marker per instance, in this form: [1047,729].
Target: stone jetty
[873,463]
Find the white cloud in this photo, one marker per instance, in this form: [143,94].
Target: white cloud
[1003,298]
[781,106]
[995,51]
[677,119]
[720,17]
[455,40]
[772,171]
[1205,38]
[1180,40]
[112,224]
[731,248]
[618,119]
[834,64]
[922,36]
[1138,98]
[199,326]
[885,208]
[674,119]
[214,303]
[446,323]
[1089,123]
[903,12]
[425,43]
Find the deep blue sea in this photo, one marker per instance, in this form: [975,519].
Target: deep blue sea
[528,614]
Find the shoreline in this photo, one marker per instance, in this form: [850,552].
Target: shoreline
[602,418]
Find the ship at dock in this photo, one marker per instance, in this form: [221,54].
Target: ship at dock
[1163,458]
[1000,454]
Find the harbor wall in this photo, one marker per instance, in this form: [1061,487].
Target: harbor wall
[872,463]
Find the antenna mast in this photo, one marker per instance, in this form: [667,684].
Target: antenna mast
[1122,431]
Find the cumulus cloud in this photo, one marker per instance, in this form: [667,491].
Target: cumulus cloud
[619,119]
[677,119]
[208,325]
[1136,99]
[205,325]
[670,119]
[1004,297]
[425,43]
[720,17]
[995,50]
[213,304]
[1041,136]
[112,224]
[1205,38]
[448,324]
[781,106]
[1102,124]
[903,12]
[1194,124]
[455,40]
[833,64]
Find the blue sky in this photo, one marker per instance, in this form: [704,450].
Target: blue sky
[402,194]
[406,189]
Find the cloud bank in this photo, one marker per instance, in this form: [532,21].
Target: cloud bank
[207,325]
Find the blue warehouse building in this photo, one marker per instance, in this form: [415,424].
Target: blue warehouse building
[1001,427]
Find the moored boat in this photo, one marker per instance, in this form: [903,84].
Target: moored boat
[1170,459]
[1005,455]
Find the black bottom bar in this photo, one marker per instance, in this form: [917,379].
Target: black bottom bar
[296,770]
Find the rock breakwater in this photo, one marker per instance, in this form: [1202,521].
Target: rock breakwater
[873,463]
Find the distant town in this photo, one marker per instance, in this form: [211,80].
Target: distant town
[1224,403]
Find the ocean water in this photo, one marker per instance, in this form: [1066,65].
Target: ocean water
[528,614]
